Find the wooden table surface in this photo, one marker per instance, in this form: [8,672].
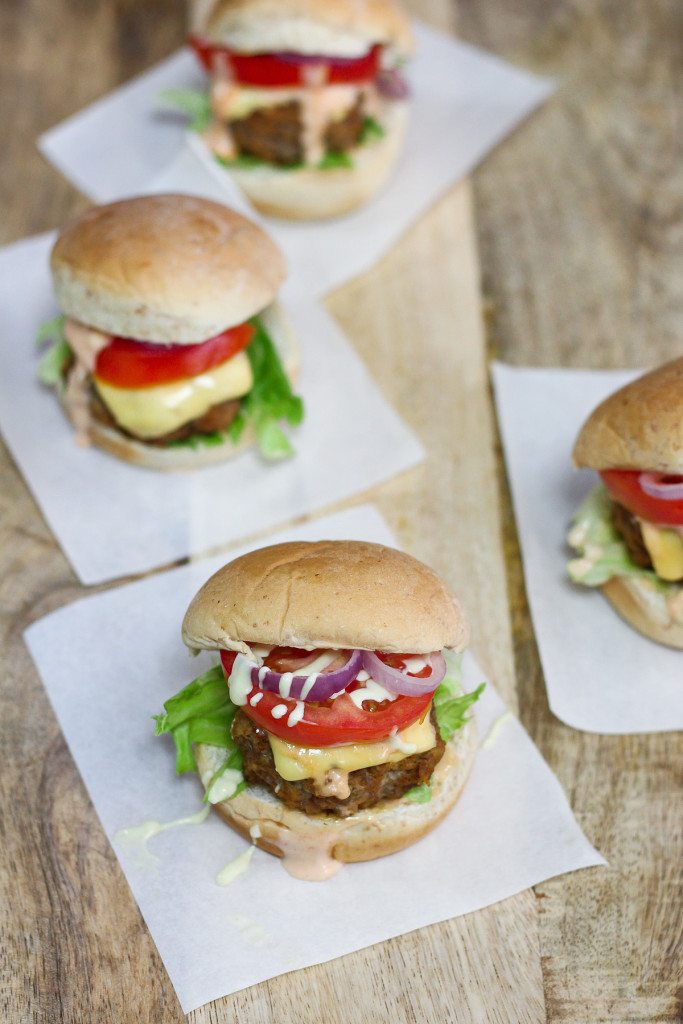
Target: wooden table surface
[578,223]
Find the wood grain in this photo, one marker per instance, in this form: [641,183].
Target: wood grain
[578,217]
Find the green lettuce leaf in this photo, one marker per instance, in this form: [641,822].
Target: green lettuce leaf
[450,703]
[332,160]
[419,794]
[602,552]
[194,103]
[270,401]
[371,129]
[201,712]
[54,359]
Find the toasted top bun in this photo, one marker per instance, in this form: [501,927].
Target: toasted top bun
[338,594]
[165,268]
[335,28]
[638,427]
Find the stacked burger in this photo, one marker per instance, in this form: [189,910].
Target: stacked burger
[171,351]
[307,106]
[335,729]
[628,533]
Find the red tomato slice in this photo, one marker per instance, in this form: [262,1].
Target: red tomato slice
[624,487]
[335,721]
[277,70]
[140,364]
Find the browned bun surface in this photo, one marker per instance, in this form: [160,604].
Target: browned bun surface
[166,268]
[624,595]
[638,427]
[380,830]
[337,594]
[343,28]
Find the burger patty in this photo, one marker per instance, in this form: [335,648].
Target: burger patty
[275,134]
[368,785]
[629,528]
[217,418]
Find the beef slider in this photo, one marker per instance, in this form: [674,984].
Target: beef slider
[368,786]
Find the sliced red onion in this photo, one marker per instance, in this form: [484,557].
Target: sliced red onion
[398,680]
[289,57]
[315,686]
[655,484]
[392,85]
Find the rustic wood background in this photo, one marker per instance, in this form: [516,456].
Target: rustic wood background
[578,223]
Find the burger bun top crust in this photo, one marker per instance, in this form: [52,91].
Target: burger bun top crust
[335,594]
[166,268]
[638,427]
[335,28]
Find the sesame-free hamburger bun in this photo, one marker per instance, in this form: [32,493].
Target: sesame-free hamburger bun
[165,268]
[326,594]
[334,28]
[640,426]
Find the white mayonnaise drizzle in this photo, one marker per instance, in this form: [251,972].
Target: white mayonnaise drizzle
[296,715]
[235,867]
[239,683]
[279,711]
[415,664]
[371,691]
[396,743]
[136,837]
[255,699]
[497,725]
[225,785]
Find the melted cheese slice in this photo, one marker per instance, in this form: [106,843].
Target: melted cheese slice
[294,763]
[232,102]
[153,412]
[665,547]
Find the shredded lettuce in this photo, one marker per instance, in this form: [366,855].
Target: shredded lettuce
[450,703]
[194,103]
[602,551]
[56,356]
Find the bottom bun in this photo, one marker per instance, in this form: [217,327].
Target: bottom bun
[315,846]
[183,457]
[634,600]
[310,194]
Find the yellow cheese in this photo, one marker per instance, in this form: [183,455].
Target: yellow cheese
[665,547]
[294,763]
[155,411]
[233,102]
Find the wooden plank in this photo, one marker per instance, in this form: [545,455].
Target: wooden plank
[579,230]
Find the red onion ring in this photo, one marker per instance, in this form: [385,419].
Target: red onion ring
[299,687]
[392,85]
[655,485]
[397,680]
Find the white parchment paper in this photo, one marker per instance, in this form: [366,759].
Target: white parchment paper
[511,828]
[113,519]
[601,675]
[464,102]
